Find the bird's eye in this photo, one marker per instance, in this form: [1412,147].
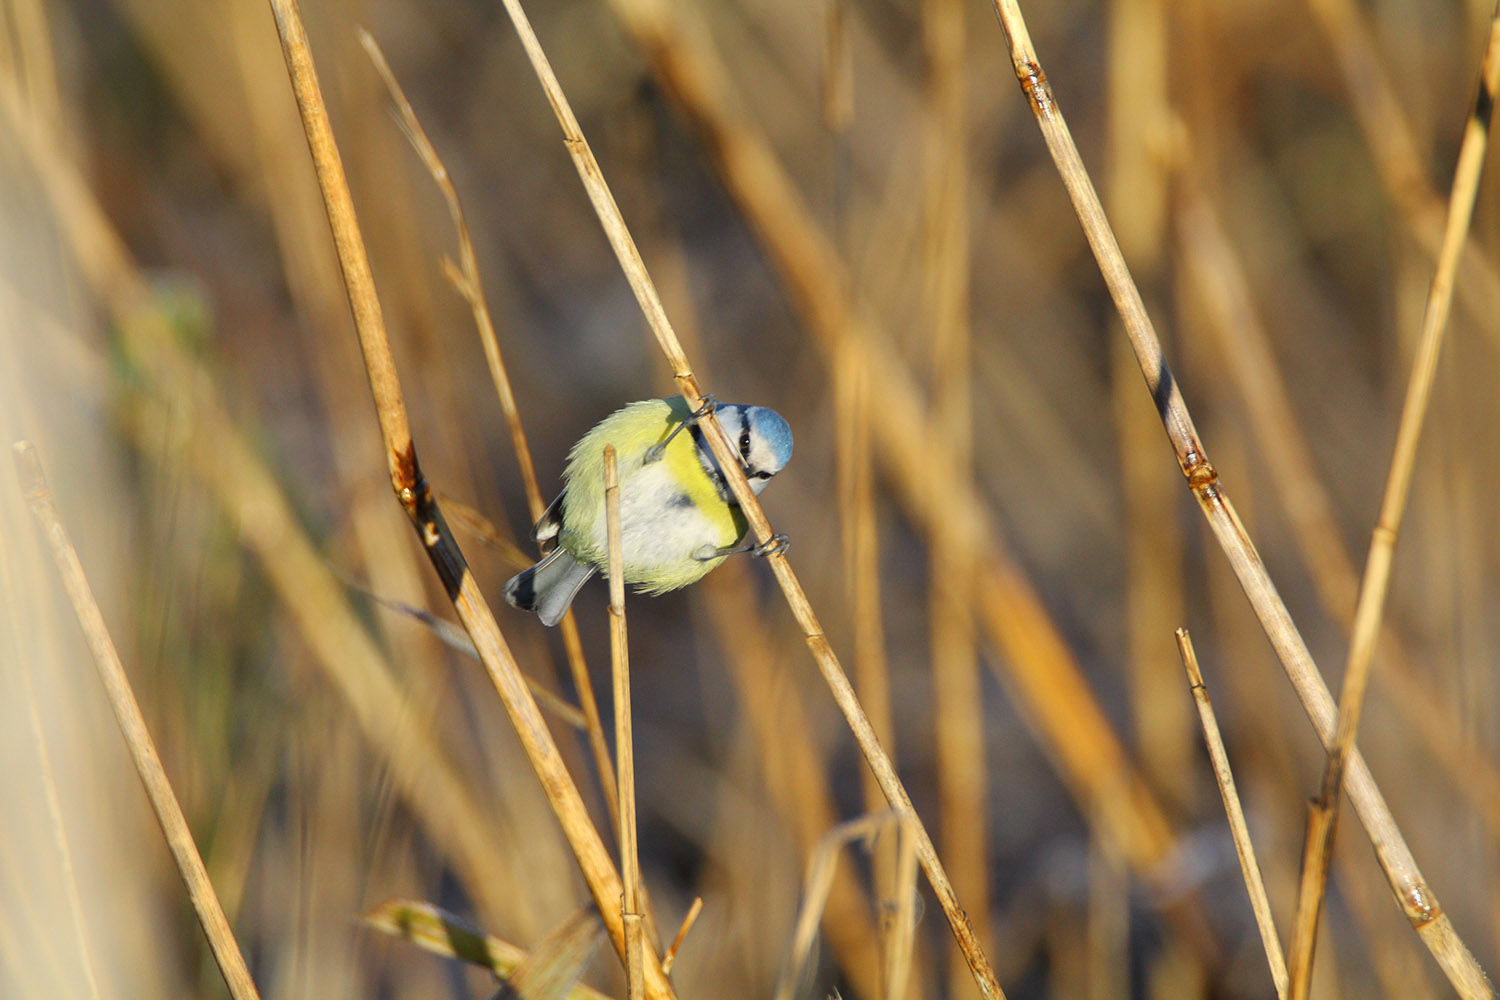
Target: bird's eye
[760,475]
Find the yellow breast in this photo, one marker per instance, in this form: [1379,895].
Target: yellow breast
[670,510]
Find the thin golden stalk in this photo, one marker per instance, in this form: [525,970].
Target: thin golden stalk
[148,766]
[1034,659]
[958,690]
[688,920]
[1321,820]
[797,781]
[812,630]
[465,275]
[1323,823]
[1218,275]
[250,495]
[416,498]
[900,938]
[1136,194]
[54,815]
[860,542]
[465,279]
[1249,867]
[1415,897]
[619,661]
[815,889]
[1396,154]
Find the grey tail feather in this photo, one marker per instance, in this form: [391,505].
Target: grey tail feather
[548,588]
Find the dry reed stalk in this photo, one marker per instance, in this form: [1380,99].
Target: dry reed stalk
[54,804]
[1243,847]
[688,920]
[1136,192]
[248,492]
[132,724]
[309,266]
[1415,897]
[1218,277]
[1374,586]
[899,937]
[466,281]
[35,64]
[760,528]
[815,888]
[1399,162]
[1321,822]
[1036,662]
[416,499]
[860,544]
[463,276]
[859,526]
[958,689]
[619,661]
[796,775]
[1107,925]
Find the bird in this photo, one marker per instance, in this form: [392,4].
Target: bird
[678,519]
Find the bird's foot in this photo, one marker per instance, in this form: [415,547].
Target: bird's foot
[655,452]
[775,545]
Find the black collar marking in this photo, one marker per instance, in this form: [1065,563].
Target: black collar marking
[711,467]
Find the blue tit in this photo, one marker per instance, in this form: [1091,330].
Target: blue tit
[678,519]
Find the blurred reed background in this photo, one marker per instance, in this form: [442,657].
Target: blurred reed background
[849,210]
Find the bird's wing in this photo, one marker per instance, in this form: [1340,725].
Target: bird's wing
[545,532]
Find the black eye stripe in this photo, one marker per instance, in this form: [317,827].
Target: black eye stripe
[745,443]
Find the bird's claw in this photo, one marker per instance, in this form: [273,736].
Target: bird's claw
[776,545]
[656,451]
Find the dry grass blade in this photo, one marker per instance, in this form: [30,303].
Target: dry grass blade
[465,279]
[456,638]
[900,934]
[466,517]
[86,953]
[724,452]
[440,932]
[619,656]
[552,968]
[1375,584]
[797,782]
[1249,867]
[688,920]
[248,492]
[1400,163]
[820,869]
[1035,660]
[417,500]
[1218,274]
[127,712]
[1317,842]
[1416,898]
[958,690]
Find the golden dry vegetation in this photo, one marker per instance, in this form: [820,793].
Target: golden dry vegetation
[851,216]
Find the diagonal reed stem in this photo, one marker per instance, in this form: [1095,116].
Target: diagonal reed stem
[416,498]
[127,710]
[465,279]
[1414,895]
[812,630]
[1376,581]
